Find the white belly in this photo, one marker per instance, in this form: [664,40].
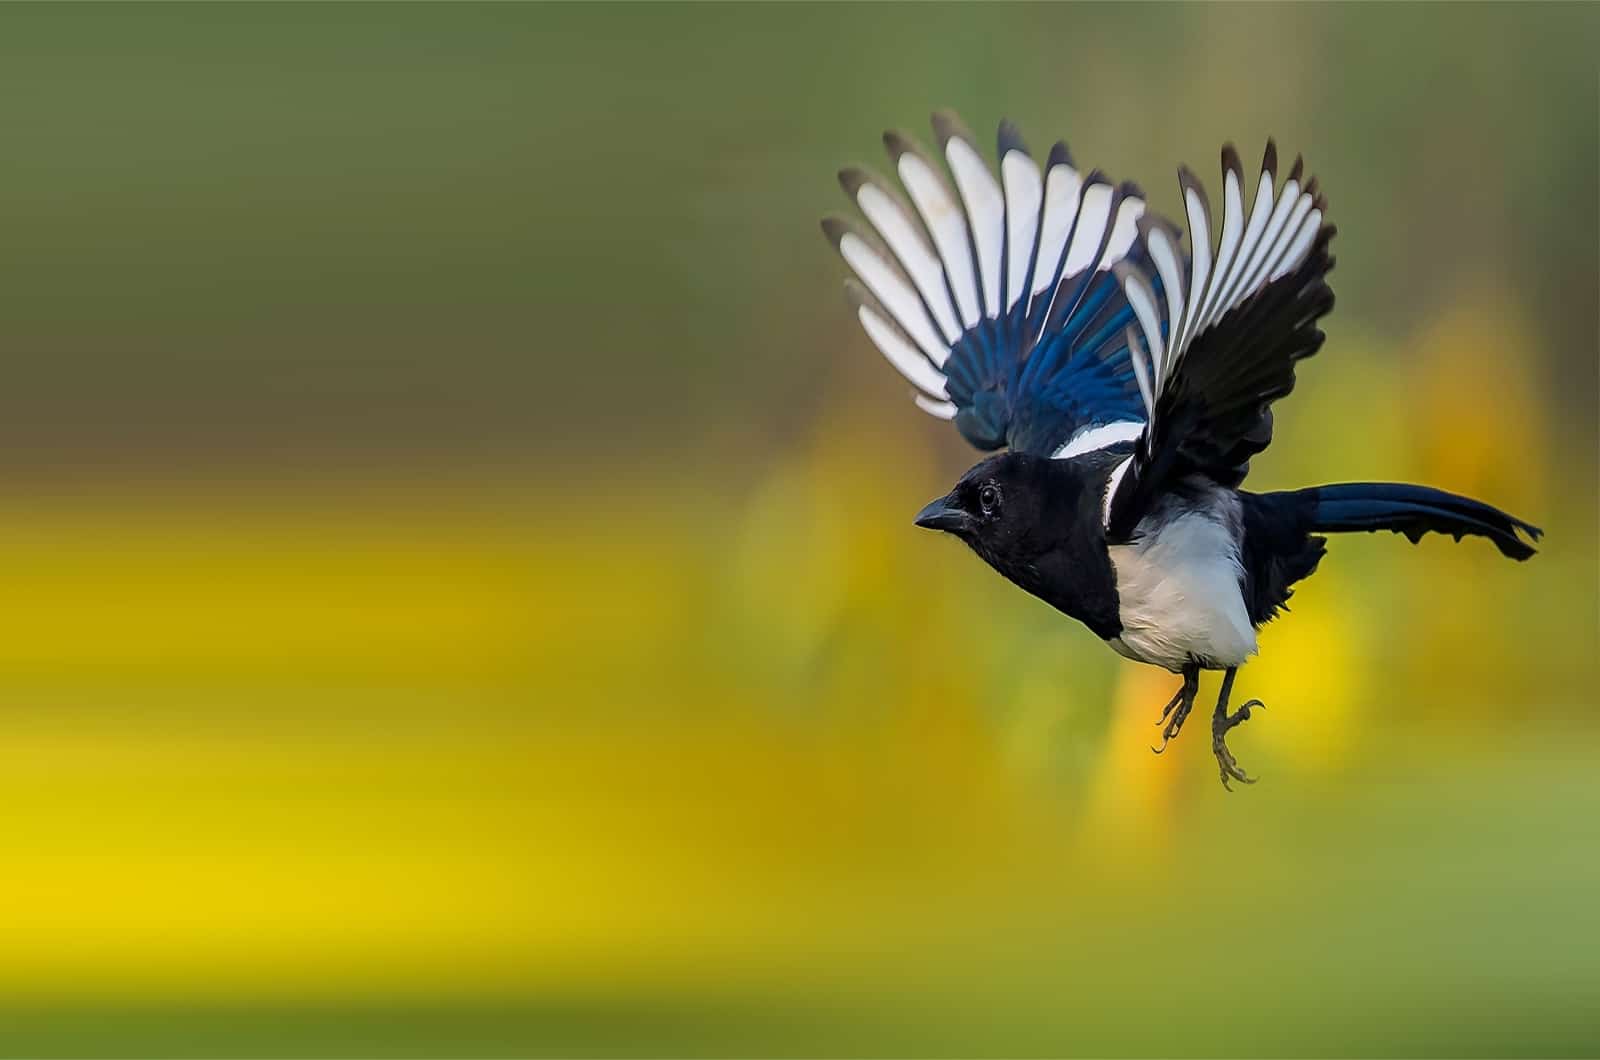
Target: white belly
[1180,589]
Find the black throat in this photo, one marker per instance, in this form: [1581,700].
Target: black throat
[1055,547]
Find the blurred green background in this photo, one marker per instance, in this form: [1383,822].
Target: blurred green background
[460,595]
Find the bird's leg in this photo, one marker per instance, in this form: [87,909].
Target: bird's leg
[1221,722]
[1180,706]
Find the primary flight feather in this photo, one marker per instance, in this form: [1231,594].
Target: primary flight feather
[1128,376]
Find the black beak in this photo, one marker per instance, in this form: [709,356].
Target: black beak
[943,514]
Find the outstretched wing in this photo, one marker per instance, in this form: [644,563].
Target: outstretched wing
[995,298]
[1216,339]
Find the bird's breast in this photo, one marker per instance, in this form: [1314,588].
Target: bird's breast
[1180,588]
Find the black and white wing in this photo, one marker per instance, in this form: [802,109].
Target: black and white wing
[1216,336]
[994,297]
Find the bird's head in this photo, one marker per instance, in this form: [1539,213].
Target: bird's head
[1037,522]
[1002,508]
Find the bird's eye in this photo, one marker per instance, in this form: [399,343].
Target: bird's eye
[989,498]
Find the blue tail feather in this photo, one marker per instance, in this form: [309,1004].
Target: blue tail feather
[1413,511]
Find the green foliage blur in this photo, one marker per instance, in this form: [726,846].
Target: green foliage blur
[461,596]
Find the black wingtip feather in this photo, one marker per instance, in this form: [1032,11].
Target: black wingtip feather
[836,228]
[1269,159]
[1187,179]
[899,143]
[858,296]
[947,126]
[1060,155]
[1150,220]
[1008,139]
[1230,161]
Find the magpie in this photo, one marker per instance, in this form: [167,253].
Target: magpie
[1126,382]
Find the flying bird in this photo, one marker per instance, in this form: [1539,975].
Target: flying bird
[1127,381]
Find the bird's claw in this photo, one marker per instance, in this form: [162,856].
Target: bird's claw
[1177,709]
[1242,715]
[1227,765]
[1172,728]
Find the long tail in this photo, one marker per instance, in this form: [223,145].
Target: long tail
[1412,511]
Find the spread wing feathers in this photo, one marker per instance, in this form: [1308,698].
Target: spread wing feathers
[993,295]
[1216,337]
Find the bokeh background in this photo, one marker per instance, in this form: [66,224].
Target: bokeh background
[459,590]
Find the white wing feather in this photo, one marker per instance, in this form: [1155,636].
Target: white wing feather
[952,251]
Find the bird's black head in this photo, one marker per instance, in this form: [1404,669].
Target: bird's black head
[1037,522]
[1005,508]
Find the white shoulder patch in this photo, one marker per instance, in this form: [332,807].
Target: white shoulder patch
[1112,482]
[1099,436]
